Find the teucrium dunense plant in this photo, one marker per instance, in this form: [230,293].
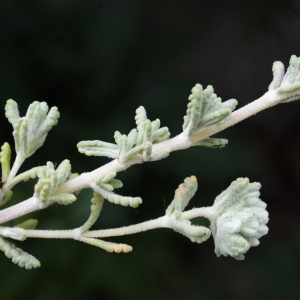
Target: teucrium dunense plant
[238,218]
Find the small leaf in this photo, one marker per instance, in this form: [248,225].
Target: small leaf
[50,181]
[30,131]
[160,135]
[155,125]
[206,109]
[116,199]
[133,152]
[63,198]
[289,88]
[28,224]
[42,190]
[141,116]
[12,111]
[107,187]
[198,234]
[109,177]
[278,74]
[183,195]
[117,137]
[18,256]
[116,183]
[109,247]
[98,148]
[212,143]
[132,136]
[138,142]
[20,135]
[13,233]
[160,155]
[111,180]
[5,156]
[63,172]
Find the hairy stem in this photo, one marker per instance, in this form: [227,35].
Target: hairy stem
[269,99]
[161,222]
[16,166]
[179,142]
[18,210]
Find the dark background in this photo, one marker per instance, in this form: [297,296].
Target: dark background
[97,61]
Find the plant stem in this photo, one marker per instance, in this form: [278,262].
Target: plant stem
[16,166]
[23,208]
[179,142]
[161,222]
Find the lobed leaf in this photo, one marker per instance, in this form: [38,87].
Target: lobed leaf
[18,256]
[206,109]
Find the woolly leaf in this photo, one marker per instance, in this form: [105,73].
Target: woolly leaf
[141,116]
[63,198]
[133,152]
[212,143]
[116,183]
[50,180]
[287,86]
[160,135]
[40,122]
[117,137]
[116,199]
[278,74]
[160,155]
[197,234]
[20,135]
[13,233]
[42,190]
[109,247]
[28,224]
[155,125]
[109,177]
[18,256]
[206,109]
[12,111]
[183,195]
[107,187]
[5,156]
[63,172]
[138,142]
[98,148]
[111,182]
[132,136]
[30,131]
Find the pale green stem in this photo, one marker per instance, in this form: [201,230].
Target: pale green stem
[22,177]
[16,166]
[161,222]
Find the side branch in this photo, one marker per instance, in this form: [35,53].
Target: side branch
[162,222]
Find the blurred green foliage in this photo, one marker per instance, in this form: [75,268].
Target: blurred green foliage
[97,61]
